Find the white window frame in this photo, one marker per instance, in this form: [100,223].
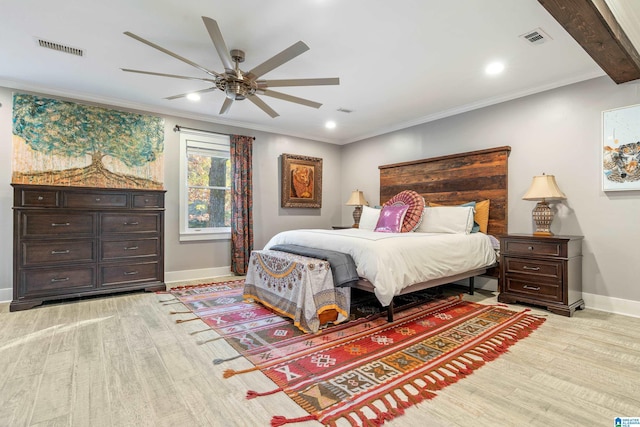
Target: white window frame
[196,141]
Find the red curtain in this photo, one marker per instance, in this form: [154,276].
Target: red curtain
[241,203]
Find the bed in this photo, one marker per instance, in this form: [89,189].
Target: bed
[447,180]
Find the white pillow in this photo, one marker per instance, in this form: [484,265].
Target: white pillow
[447,219]
[369,218]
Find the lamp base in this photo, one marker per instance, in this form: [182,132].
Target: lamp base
[357,213]
[542,216]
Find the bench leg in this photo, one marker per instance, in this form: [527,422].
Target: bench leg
[471,285]
[390,312]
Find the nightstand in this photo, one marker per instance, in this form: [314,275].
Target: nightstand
[340,227]
[542,270]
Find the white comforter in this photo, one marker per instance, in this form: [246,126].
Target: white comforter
[393,261]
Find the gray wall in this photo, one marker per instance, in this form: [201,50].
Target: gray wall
[556,132]
[191,259]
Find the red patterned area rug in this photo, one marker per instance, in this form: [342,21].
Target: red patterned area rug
[365,371]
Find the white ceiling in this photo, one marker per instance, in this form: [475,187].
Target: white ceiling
[400,63]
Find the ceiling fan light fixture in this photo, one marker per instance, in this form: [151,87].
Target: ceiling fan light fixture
[193,97]
[330,124]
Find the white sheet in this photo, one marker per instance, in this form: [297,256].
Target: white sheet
[393,261]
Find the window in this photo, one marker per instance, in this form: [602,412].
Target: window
[205,186]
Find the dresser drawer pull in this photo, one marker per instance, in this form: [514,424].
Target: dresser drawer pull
[530,248]
[62,279]
[131,248]
[60,252]
[532,288]
[40,198]
[130,273]
[524,267]
[131,223]
[97,199]
[60,224]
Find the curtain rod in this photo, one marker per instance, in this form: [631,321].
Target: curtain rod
[178,128]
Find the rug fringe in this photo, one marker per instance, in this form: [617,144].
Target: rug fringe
[251,394]
[179,312]
[279,420]
[171,303]
[219,361]
[209,340]
[231,372]
[167,300]
[200,331]
[187,320]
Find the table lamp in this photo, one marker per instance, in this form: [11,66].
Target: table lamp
[543,188]
[357,199]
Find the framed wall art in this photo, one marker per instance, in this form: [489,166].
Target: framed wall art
[301,181]
[621,149]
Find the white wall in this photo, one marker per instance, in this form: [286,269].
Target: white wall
[193,260]
[557,132]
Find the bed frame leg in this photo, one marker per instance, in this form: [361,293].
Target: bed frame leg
[390,312]
[471,285]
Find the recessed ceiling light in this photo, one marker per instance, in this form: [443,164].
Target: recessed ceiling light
[330,124]
[193,97]
[494,68]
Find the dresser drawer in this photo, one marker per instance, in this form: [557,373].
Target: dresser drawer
[130,223]
[51,252]
[534,289]
[39,198]
[119,249]
[148,201]
[538,268]
[524,247]
[124,274]
[67,225]
[95,200]
[52,281]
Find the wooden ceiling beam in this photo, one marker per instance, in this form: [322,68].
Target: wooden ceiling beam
[592,24]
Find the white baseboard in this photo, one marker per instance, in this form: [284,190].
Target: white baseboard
[626,307]
[203,273]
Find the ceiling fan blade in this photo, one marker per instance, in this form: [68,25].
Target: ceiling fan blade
[286,55]
[298,82]
[218,42]
[167,75]
[226,105]
[195,91]
[175,55]
[291,98]
[264,107]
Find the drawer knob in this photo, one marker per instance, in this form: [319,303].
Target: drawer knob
[530,248]
[60,224]
[532,288]
[525,267]
[130,273]
[146,200]
[40,198]
[60,252]
[61,279]
[131,248]
[97,199]
[131,223]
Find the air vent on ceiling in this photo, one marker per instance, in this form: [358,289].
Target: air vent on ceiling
[344,110]
[60,47]
[536,36]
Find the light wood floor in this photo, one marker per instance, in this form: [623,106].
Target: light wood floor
[123,361]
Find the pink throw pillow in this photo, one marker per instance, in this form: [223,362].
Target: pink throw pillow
[391,218]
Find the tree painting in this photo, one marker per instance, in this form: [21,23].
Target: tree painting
[64,143]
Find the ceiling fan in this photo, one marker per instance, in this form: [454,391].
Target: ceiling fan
[237,84]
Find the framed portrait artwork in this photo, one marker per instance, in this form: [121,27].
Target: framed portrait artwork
[301,181]
[621,149]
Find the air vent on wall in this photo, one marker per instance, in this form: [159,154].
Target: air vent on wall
[60,47]
[536,36]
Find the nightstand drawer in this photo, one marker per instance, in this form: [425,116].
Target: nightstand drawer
[538,268]
[524,247]
[537,290]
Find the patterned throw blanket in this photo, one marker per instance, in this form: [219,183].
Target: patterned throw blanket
[295,286]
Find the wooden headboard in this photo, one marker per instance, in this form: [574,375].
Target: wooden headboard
[455,179]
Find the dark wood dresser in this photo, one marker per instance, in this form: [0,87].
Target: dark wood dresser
[78,241]
[543,271]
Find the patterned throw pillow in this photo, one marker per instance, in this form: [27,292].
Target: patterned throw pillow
[415,203]
[391,218]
